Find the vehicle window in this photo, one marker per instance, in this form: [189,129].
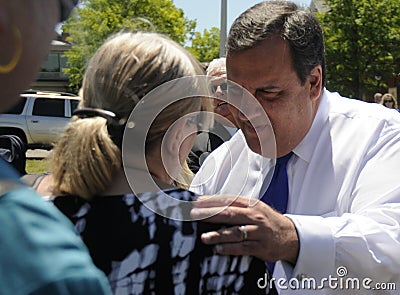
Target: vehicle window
[48,107]
[17,109]
[74,105]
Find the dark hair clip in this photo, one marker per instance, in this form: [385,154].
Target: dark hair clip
[83,113]
[114,126]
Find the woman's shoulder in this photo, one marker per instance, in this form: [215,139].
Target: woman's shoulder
[70,205]
[174,204]
[176,193]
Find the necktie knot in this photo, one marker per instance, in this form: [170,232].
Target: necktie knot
[277,193]
[284,160]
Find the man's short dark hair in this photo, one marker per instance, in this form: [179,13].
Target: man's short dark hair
[297,25]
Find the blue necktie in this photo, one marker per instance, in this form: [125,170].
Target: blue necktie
[277,193]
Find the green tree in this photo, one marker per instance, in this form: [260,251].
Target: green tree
[362,40]
[95,20]
[205,47]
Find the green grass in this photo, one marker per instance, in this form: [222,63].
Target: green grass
[34,166]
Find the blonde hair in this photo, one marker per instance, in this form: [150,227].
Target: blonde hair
[121,72]
[184,179]
[391,97]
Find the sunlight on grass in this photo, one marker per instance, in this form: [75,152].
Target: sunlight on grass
[34,166]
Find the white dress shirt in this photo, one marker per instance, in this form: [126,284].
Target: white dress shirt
[344,195]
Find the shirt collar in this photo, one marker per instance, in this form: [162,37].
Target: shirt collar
[305,148]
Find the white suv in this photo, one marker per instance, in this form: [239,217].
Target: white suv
[39,118]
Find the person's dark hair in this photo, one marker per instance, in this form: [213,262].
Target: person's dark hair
[299,27]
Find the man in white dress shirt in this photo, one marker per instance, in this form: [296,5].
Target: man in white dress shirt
[341,227]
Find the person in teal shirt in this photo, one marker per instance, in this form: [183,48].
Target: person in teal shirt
[40,252]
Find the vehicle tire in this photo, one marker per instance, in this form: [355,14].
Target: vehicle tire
[14,131]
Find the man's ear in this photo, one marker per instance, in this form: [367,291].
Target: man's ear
[315,79]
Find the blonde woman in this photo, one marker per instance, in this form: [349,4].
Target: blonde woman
[389,101]
[130,224]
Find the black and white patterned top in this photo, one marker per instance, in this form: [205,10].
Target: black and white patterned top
[144,253]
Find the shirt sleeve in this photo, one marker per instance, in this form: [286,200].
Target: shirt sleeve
[362,238]
[40,252]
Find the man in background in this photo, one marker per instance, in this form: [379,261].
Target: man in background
[224,126]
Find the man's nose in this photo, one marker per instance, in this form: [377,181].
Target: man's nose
[219,91]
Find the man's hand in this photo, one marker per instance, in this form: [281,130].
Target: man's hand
[267,235]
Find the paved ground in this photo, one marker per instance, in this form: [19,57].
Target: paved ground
[37,154]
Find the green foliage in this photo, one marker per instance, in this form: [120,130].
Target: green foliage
[362,39]
[205,47]
[95,20]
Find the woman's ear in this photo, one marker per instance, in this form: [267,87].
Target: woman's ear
[315,79]
[174,137]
